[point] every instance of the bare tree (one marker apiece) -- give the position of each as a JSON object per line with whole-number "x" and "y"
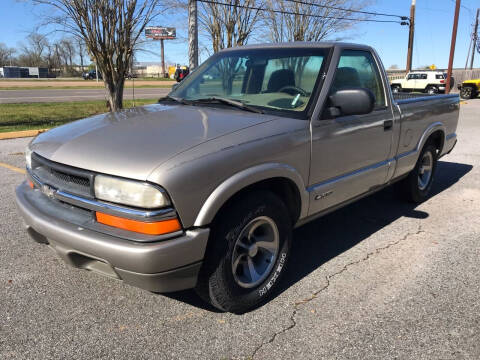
{"x": 81, "y": 52}
{"x": 110, "y": 30}
{"x": 6, "y": 54}
{"x": 67, "y": 52}
{"x": 231, "y": 24}
{"x": 310, "y": 21}
{"x": 33, "y": 52}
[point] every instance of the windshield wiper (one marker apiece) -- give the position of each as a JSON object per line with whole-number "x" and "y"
{"x": 230, "y": 102}
{"x": 173, "y": 98}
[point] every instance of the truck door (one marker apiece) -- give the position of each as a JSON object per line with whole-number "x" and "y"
{"x": 350, "y": 153}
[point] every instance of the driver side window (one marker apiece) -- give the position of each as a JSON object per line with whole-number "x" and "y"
{"x": 357, "y": 69}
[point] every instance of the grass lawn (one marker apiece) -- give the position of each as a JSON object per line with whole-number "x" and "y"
{"x": 16, "y": 117}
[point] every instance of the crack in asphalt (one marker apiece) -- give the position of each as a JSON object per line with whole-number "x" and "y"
{"x": 315, "y": 294}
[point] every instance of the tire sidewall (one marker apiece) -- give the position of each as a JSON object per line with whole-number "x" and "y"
{"x": 248, "y": 297}
{"x": 466, "y": 94}
{"x": 419, "y": 195}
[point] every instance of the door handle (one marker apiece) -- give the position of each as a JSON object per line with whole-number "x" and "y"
{"x": 387, "y": 124}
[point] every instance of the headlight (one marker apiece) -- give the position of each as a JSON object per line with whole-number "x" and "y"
{"x": 28, "y": 157}
{"x": 129, "y": 192}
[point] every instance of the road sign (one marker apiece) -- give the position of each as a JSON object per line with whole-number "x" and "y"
{"x": 160, "y": 33}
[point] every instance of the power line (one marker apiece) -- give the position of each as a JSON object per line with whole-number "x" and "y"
{"x": 347, "y": 10}
{"x": 465, "y": 7}
{"x": 301, "y": 14}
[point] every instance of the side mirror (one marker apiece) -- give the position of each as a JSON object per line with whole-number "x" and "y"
{"x": 357, "y": 101}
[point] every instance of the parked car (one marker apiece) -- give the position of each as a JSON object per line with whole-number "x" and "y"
{"x": 203, "y": 189}
{"x": 431, "y": 82}
{"x": 92, "y": 75}
{"x": 181, "y": 73}
{"x": 469, "y": 89}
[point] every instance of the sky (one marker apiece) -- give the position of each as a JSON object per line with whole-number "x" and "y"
{"x": 433, "y": 31}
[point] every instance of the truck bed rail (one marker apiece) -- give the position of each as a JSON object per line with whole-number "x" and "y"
{"x": 403, "y": 98}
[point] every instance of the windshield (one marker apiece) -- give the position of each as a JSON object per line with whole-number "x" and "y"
{"x": 271, "y": 79}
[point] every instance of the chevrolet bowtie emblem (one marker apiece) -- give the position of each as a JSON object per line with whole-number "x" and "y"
{"x": 47, "y": 190}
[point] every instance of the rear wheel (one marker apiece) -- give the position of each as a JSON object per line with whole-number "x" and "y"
{"x": 246, "y": 254}
{"x": 417, "y": 186}
{"x": 431, "y": 90}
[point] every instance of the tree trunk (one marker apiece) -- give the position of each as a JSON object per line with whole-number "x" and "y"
{"x": 115, "y": 94}
{"x": 192, "y": 34}
{"x": 81, "y": 62}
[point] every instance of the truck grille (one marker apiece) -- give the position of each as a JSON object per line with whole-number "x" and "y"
{"x": 62, "y": 177}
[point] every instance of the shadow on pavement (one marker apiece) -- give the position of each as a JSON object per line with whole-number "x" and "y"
{"x": 321, "y": 240}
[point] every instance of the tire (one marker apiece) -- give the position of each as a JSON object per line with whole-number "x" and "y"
{"x": 225, "y": 280}
{"x": 417, "y": 185}
{"x": 396, "y": 89}
{"x": 431, "y": 90}
{"x": 467, "y": 92}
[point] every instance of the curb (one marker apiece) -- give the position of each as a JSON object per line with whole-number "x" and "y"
{"x": 20, "y": 134}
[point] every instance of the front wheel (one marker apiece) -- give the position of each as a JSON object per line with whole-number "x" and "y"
{"x": 247, "y": 253}
{"x": 396, "y": 89}
{"x": 467, "y": 92}
{"x": 417, "y": 186}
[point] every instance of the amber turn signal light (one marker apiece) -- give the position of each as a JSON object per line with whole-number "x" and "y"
{"x": 149, "y": 228}
{"x": 30, "y": 184}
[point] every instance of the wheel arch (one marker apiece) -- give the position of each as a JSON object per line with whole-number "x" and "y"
{"x": 281, "y": 179}
{"x": 472, "y": 85}
{"x": 436, "y": 133}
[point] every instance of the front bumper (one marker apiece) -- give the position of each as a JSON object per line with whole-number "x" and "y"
{"x": 162, "y": 266}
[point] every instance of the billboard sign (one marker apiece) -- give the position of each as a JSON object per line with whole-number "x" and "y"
{"x": 160, "y": 33}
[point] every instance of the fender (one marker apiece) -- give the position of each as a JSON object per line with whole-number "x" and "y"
{"x": 429, "y": 131}
{"x": 245, "y": 178}
{"x": 405, "y": 162}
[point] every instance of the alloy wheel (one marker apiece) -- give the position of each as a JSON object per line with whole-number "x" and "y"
{"x": 255, "y": 252}
{"x": 425, "y": 171}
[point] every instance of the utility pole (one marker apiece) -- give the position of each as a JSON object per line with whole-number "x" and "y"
{"x": 410, "y": 36}
{"x": 468, "y": 53}
{"x": 162, "y": 48}
{"x": 474, "y": 39}
{"x": 452, "y": 45}
{"x": 192, "y": 34}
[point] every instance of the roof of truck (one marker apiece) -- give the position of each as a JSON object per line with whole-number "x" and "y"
{"x": 301, "y": 45}
{"x": 427, "y": 71}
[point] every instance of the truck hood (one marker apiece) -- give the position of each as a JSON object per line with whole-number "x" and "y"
{"x": 133, "y": 142}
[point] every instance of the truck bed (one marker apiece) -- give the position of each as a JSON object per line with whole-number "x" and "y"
{"x": 407, "y": 96}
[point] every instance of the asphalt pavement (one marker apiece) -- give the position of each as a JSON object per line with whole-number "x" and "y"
{"x": 379, "y": 279}
{"x": 67, "y": 95}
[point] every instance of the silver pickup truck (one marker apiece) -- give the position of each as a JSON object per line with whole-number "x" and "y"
{"x": 203, "y": 189}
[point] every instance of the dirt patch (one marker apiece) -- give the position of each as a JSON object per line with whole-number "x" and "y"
{"x": 74, "y": 83}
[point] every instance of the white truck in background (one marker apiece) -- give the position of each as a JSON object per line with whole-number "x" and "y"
{"x": 431, "y": 82}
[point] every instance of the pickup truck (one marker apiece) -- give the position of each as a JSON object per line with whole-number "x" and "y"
{"x": 431, "y": 82}
{"x": 202, "y": 190}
